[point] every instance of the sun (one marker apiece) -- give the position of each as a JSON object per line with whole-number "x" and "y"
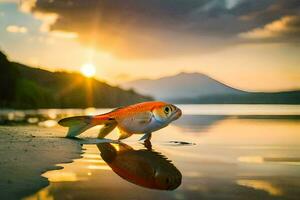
{"x": 88, "y": 70}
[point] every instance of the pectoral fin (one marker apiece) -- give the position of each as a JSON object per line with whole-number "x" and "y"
{"x": 146, "y": 136}
{"x": 106, "y": 129}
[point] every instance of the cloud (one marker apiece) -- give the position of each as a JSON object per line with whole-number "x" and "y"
{"x": 16, "y": 29}
{"x": 285, "y": 29}
{"x": 143, "y": 28}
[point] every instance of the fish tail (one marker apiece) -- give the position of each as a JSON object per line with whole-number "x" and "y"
{"x": 79, "y": 124}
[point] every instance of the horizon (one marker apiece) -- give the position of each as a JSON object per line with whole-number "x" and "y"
{"x": 260, "y": 53}
{"x": 155, "y": 79}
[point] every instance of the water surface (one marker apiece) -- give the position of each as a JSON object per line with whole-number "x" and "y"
{"x": 231, "y": 154}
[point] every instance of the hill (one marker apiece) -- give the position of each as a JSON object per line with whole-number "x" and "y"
{"x": 199, "y": 88}
{"x": 22, "y": 87}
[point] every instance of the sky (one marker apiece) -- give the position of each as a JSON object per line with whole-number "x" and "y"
{"x": 250, "y": 45}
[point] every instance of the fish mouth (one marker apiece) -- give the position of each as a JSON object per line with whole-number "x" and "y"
{"x": 168, "y": 181}
{"x": 177, "y": 114}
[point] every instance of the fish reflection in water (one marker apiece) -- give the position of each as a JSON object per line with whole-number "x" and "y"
{"x": 143, "y": 167}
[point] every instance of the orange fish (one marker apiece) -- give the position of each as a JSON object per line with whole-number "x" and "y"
{"x": 143, "y": 118}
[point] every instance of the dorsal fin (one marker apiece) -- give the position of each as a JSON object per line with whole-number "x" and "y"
{"x": 159, "y": 156}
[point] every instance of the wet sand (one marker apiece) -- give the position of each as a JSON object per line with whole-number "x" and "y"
{"x": 28, "y": 151}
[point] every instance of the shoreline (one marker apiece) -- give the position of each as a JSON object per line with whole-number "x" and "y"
{"x": 27, "y": 152}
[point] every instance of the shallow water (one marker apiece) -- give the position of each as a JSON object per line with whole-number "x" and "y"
{"x": 216, "y": 153}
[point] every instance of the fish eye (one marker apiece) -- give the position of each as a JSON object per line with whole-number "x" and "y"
{"x": 167, "y": 110}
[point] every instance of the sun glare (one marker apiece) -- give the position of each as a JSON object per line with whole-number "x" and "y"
{"x": 88, "y": 70}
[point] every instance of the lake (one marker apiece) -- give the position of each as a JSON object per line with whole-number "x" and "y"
{"x": 211, "y": 152}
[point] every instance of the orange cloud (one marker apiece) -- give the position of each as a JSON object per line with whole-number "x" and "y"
{"x": 285, "y": 28}
{"x": 142, "y": 29}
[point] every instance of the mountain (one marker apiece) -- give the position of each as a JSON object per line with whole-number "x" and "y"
{"x": 199, "y": 88}
{"x": 24, "y": 87}
{"x": 182, "y": 85}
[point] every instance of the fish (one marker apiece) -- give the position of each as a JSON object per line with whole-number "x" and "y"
{"x": 143, "y": 167}
{"x": 142, "y": 118}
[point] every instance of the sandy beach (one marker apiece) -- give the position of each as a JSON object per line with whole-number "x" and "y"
{"x": 28, "y": 151}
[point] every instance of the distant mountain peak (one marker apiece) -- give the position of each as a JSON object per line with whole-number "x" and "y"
{"x": 181, "y": 85}
{"x": 195, "y": 87}
{"x": 189, "y": 73}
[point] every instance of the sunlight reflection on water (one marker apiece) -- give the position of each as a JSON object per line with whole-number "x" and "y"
{"x": 233, "y": 157}
{"x": 240, "y": 109}
{"x": 41, "y": 115}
